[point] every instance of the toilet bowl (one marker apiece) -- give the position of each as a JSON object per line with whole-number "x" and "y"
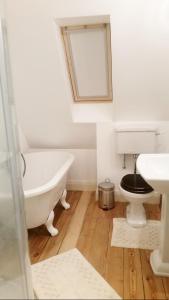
{"x": 136, "y": 191}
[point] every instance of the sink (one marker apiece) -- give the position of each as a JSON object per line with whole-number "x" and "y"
{"x": 154, "y": 168}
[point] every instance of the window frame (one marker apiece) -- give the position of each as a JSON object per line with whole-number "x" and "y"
{"x": 65, "y": 31}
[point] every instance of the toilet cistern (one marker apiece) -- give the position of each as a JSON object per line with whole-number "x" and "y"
{"x": 155, "y": 170}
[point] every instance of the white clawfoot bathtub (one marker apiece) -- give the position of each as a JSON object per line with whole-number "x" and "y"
{"x": 44, "y": 185}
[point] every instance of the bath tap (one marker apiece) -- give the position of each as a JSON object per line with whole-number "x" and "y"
{"x": 24, "y": 163}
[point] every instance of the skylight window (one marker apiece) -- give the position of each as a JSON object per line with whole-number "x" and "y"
{"x": 88, "y": 57}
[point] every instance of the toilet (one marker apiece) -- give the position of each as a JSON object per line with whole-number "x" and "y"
{"x": 133, "y": 187}
{"x": 136, "y": 191}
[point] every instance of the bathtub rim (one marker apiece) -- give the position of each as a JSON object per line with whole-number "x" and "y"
{"x": 52, "y": 183}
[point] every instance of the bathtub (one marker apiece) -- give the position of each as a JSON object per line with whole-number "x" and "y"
{"x": 44, "y": 184}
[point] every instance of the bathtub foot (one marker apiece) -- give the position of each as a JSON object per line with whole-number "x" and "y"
{"x": 49, "y": 224}
{"x": 63, "y": 200}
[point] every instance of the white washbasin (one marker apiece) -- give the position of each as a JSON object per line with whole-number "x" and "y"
{"x": 154, "y": 168}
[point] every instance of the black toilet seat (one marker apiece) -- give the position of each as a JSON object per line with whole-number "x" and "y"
{"x": 134, "y": 183}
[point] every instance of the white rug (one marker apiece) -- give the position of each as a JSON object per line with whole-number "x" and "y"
{"x": 69, "y": 276}
{"x": 125, "y": 236}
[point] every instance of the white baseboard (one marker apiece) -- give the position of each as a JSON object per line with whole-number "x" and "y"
{"x": 81, "y": 185}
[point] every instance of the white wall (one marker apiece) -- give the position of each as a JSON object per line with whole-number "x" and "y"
{"x": 3, "y": 145}
{"x": 1, "y": 8}
{"x": 140, "y": 66}
{"x": 140, "y": 48}
{"x": 140, "y": 59}
{"x": 82, "y": 175}
{"x": 40, "y": 94}
{"x": 24, "y": 146}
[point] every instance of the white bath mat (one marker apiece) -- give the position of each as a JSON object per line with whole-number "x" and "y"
{"x": 125, "y": 236}
{"x": 69, "y": 276}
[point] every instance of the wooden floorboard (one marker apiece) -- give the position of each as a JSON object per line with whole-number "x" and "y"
{"x": 153, "y": 285}
{"x": 62, "y": 224}
{"x": 115, "y": 256}
{"x": 42, "y": 246}
{"x": 166, "y": 287}
{"x": 133, "y": 284}
{"x": 94, "y": 237}
{"x": 99, "y": 244}
{"x": 88, "y": 228}
{"x": 87, "y": 232}
{"x": 76, "y": 223}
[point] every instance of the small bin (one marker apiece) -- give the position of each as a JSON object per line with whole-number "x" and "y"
{"x": 106, "y": 194}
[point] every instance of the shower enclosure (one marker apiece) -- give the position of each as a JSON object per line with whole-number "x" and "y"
{"x": 15, "y": 279}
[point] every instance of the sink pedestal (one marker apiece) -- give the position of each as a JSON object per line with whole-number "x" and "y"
{"x": 159, "y": 258}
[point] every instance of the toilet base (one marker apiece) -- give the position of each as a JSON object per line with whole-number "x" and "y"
{"x": 136, "y": 216}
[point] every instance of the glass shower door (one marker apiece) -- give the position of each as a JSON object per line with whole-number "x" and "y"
{"x": 15, "y": 280}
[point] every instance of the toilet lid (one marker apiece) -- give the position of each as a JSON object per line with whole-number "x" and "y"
{"x": 134, "y": 183}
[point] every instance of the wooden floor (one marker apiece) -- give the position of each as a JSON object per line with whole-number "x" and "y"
{"x": 89, "y": 229}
